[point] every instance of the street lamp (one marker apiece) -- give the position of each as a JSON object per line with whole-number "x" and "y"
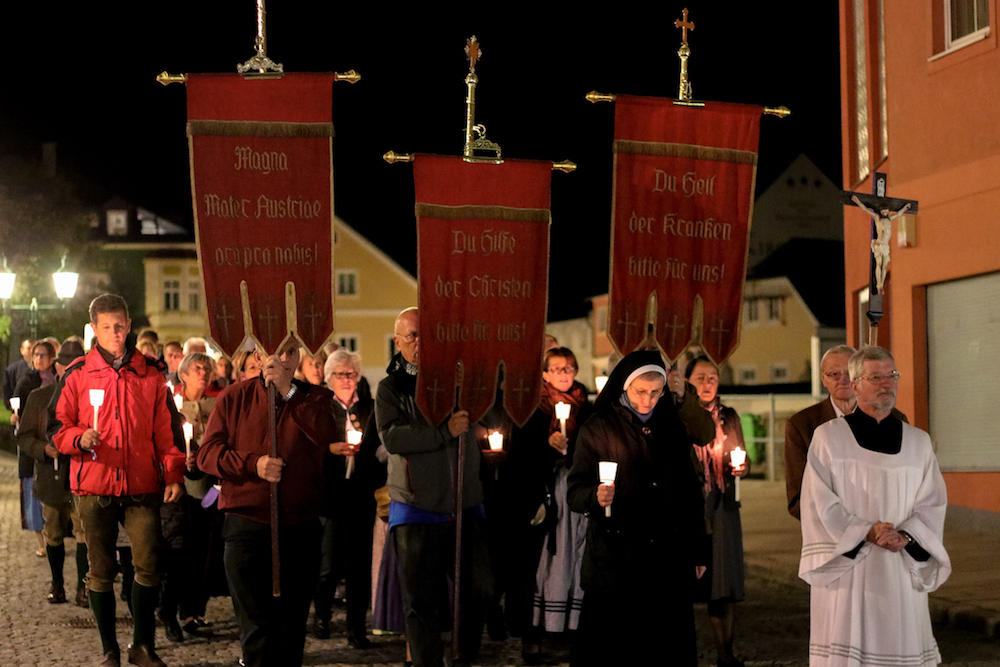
{"x": 65, "y": 283}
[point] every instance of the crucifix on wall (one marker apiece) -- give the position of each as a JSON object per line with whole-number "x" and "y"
{"x": 883, "y": 210}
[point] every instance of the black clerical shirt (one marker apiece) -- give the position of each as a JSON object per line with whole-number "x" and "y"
{"x": 885, "y": 437}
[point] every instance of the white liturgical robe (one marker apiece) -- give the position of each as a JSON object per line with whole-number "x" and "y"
{"x": 871, "y": 609}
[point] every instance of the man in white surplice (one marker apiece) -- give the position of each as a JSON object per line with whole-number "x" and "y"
{"x": 873, "y": 505}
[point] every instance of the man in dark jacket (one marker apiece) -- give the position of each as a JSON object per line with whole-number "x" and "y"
{"x": 121, "y": 470}
{"x": 236, "y": 448}
{"x": 14, "y": 372}
{"x": 422, "y": 507}
{"x": 642, "y": 556}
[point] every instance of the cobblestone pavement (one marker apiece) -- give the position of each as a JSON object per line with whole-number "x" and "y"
{"x": 772, "y": 623}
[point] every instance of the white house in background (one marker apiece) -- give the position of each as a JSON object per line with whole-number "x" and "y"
{"x": 370, "y": 288}
{"x": 801, "y": 203}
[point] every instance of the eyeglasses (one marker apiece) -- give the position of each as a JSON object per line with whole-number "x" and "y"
{"x": 349, "y": 375}
{"x": 837, "y": 376}
{"x": 879, "y": 378}
{"x": 653, "y": 395}
{"x": 410, "y": 337}
{"x": 562, "y": 370}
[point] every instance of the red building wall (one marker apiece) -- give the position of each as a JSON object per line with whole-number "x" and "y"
{"x": 943, "y": 150}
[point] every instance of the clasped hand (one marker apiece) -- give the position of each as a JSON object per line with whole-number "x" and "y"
{"x": 884, "y": 535}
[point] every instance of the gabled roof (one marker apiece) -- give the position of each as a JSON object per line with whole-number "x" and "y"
{"x": 815, "y": 268}
{"x": 357, "y": 237}
{"x": 143, "y": 227}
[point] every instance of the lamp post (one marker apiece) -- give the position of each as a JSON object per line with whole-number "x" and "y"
{"x": 65, "y": 283}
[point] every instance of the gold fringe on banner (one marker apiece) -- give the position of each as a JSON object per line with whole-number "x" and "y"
{"x": 239, "y": 128}
{"x": 684, "y": 150}
{"x": 507, "y": 213}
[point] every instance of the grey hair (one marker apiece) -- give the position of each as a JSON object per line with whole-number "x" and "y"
{"x": 837, "y": 349}
{"x": 856, "y": 365}
{"x": 193, "y": 358}
{"x": 192, "y": 342}
{"x": 341, "y": 357}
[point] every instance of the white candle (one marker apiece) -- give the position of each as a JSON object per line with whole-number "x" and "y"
{"x": 607, "y": 471}
{"x": 600, "y": 381}
{"x": 562, "y": 414}
{"x": 737, "y": 458}
{"x": 179, "y": 401}
{"x": 496, "y": 441}
{"x": 15, "y": 404}
{"x": 353, "y": 438}
{"x": 188, "y": 428}
{"x": 96, "y": 400}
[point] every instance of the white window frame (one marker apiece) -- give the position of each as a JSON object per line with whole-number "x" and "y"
{"x": 117, "y": 222}
{"x": 952, "y": 45}
{"x": 779, "y": 309}
{"x": 194, "y": 296}
{"x": 747, "y": 369}
{"x": 353, "y": 274}
{"x": 783, "y": 366}
{"x": 171, "y": 292}
{"x": 341, "y": 338}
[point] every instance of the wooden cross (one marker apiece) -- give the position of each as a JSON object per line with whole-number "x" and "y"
{"x": 225, "y": 317}
{"x": 434, "y": 390}
{"x": 719, "y": 329}
{"x": 684, "y": 25}
{"x": 882, "y": 210}
{"x": 673, "y": 330}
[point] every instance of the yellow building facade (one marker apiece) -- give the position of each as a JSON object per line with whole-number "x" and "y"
{"x": 370, "y": 290}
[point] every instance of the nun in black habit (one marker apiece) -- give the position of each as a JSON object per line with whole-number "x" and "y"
{"x": 641, "y": 562}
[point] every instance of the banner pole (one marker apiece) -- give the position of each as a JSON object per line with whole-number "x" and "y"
{"x": 275, "y": 551}
{"x": 459, "y": 481}
{"x": 459, "y": 484}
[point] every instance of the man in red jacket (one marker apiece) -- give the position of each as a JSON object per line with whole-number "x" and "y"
{"x": 121, "y": 470}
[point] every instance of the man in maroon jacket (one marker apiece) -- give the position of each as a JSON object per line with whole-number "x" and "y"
{"x": 121, "y": 470}
{"x": 236, "y": 448}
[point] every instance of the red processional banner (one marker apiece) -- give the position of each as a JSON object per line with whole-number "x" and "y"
{"x": 482, "y": 269}
{"x": 683, "y": 201}
{"x": 262, "y": 189}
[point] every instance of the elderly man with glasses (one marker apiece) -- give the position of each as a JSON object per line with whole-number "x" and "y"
{"x": 800, "y": 427}
{"x": 873, "y": 506}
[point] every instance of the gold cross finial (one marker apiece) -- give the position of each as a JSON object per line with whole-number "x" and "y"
{"x": 473, "y": 52}
{"x": 684, "y": 25}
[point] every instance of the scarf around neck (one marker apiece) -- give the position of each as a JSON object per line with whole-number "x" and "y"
{"x": 576, "y": 395}
{"x": 710, "y": 455}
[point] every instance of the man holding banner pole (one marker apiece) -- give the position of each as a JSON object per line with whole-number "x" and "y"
{"x": 237, "y": 449}
{"x": 422, "y": 513}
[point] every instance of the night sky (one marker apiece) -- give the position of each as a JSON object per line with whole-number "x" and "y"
{"x": 83, "y": 75}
